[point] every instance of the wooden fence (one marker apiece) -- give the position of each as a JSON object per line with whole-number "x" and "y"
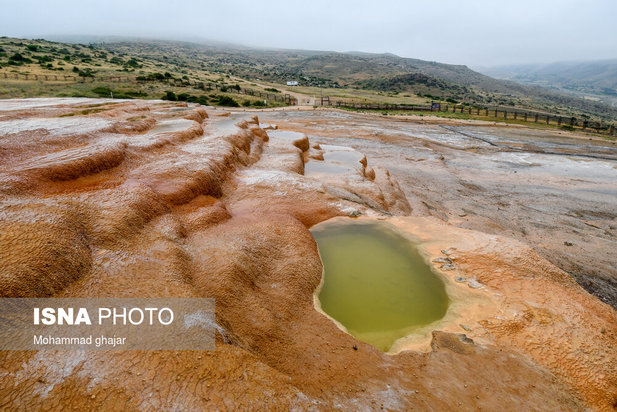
{"x": 494, "y": 112}
{"x": 53, "y": 77}
{"x": 204, "y": 85}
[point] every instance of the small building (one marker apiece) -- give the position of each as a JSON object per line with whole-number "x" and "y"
{"x": 292, "y": 83}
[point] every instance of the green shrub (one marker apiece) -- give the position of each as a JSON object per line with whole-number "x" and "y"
{"x": 43, "y": 59}
{"x": 102, "y": 91}
{"x": 19, "y": 59}
{"x": 84, "y": 72}
{"x": 151, "y": 77}
{"x": 171, "y": 96}
{"x": 32, "y": 47}
{"x": 246, "y": 103}
{"x": 133, "y": 93}
{"x": 227, "y": 101}
{"x": 133, "y": 63}
{"x": 272, "y": 89}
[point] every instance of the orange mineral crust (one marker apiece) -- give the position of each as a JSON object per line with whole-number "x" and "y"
{"x": 109, "y": 198}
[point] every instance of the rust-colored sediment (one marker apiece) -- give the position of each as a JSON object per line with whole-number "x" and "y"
{"x": 150, "y": 199}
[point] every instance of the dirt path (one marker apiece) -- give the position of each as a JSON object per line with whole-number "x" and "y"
{"x": 303, "y": 99}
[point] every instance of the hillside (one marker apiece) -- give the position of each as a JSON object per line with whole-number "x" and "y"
{"x": 384, "y": 78}
{"x": 590, "y": 79}
{"x": 41, "y": 68}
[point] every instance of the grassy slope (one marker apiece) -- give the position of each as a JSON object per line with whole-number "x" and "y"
{"x": 362, "y": 77}
{"x": 52, "y": 58}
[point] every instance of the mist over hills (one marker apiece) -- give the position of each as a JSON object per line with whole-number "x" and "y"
{"x": 383, "y": 72}
{"x": 592, "y": 79}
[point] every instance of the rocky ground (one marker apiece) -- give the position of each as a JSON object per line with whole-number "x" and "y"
{"x": 553, "y": 190}
{"x": 153, "y": 199}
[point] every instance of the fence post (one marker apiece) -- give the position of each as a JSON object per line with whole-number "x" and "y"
{"x": 611, "y": 131}
{"x": 548, "y": 119}
{"x": 559, "y": 121}
{"x": 505, "y": 114}
{"x": 495, "y": 112}
{"x": 525, "y": 116}
{"x": 515, "y": 115}
{"x": 536, "y": 120}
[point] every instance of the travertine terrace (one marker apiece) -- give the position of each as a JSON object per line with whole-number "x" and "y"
{"x": 102, "y": 198}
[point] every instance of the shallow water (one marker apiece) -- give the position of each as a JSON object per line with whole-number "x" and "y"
{"x": 375, "y": 282}
{"x": 285, "y": 134}
{"x": 350, "y": 157}
{"x": 319, "y": 168}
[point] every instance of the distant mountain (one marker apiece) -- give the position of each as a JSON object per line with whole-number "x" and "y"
{"x": 385, "y": 73}
{"x": 592, "y": 79}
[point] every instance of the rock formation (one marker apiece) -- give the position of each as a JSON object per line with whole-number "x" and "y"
{"x": 152, "y": 199}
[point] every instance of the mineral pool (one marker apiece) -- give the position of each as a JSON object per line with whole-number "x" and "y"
{"x": 375, "y": 282}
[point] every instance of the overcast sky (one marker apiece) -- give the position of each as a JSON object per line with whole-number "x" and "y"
{"x": 472, "y": 32}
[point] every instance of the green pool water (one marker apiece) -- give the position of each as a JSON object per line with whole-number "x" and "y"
{"x": 376, "y": 283}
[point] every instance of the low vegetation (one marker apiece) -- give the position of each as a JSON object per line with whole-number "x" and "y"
{"x": 202, "y": 73}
